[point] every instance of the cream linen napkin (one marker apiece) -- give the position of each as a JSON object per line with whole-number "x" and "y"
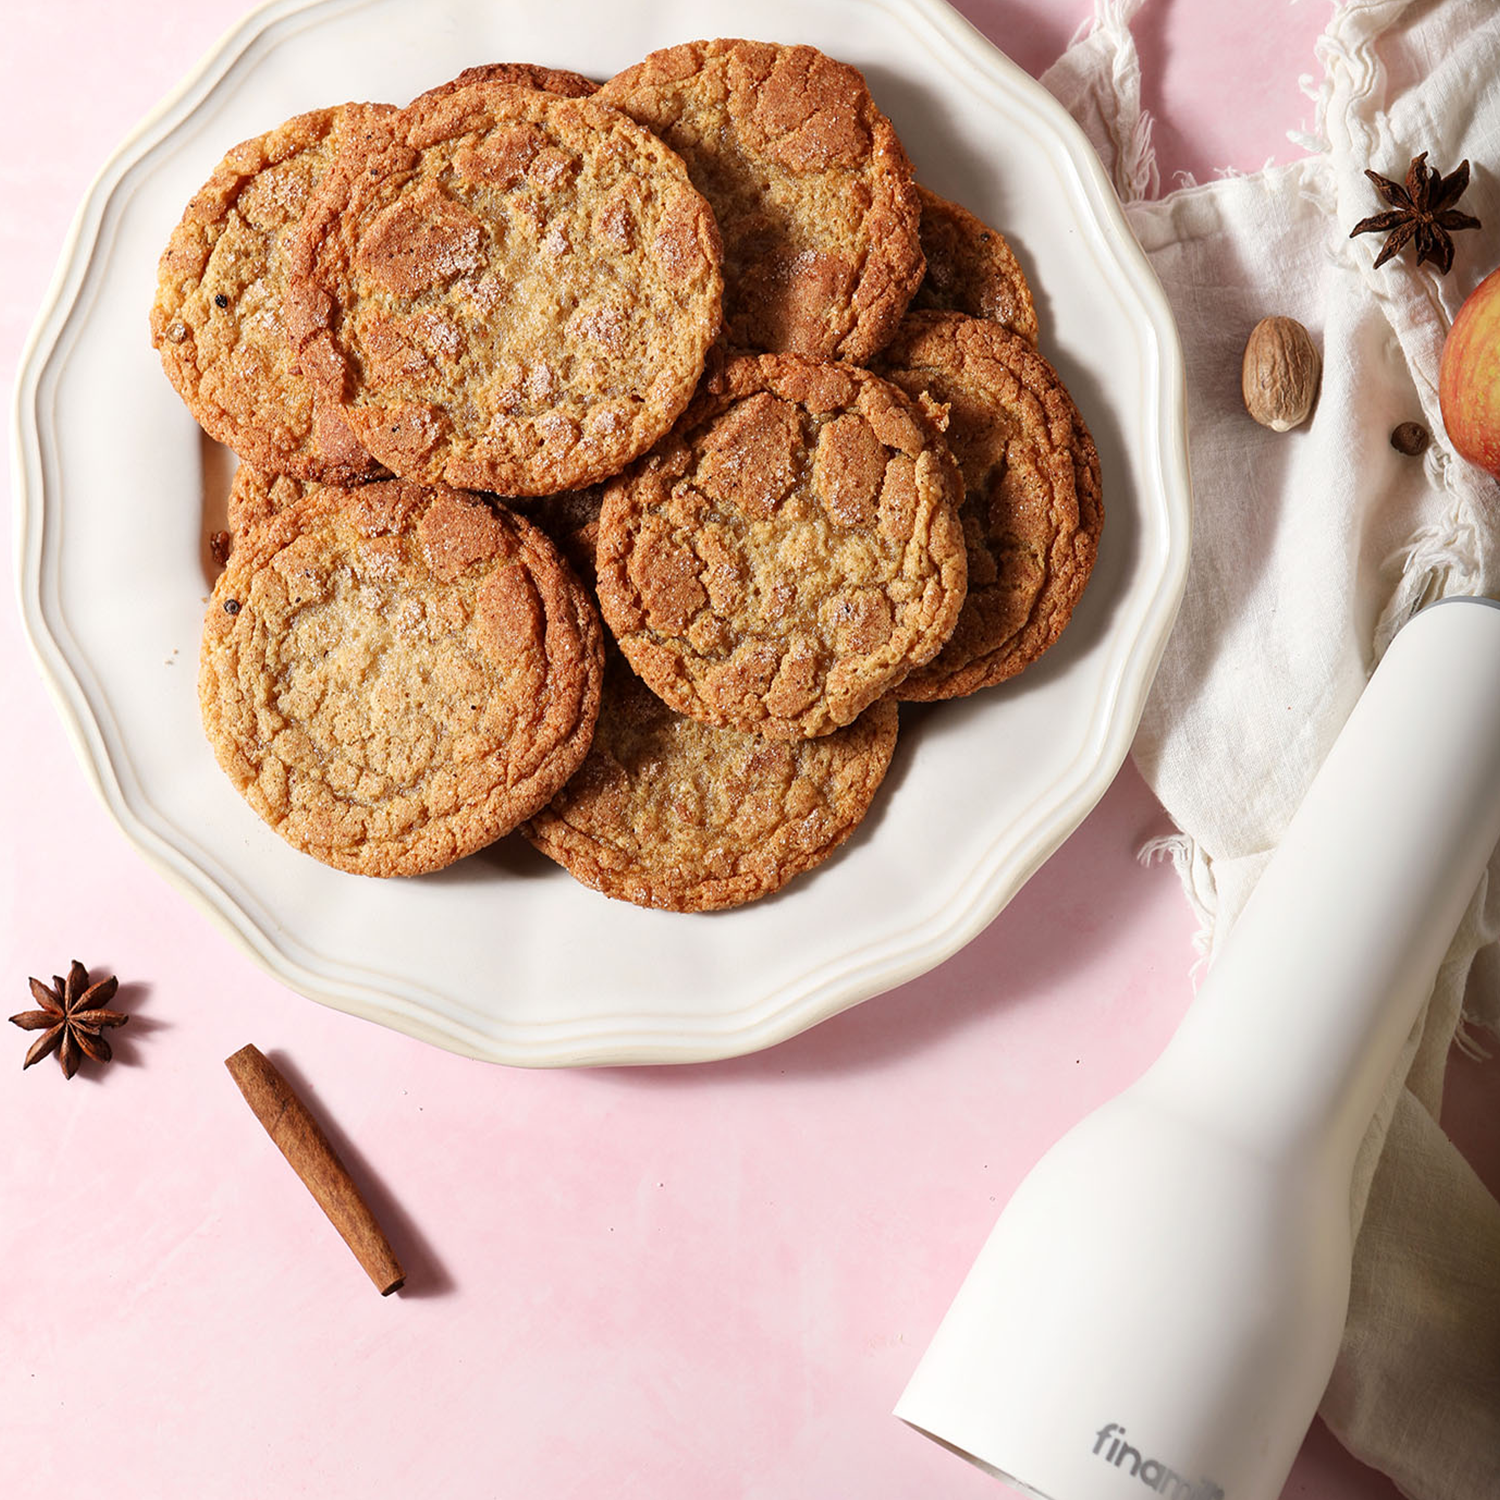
{"x": 1310, "y": 549}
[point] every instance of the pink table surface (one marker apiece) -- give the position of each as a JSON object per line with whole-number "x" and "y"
{"x": 664, "y": 1283}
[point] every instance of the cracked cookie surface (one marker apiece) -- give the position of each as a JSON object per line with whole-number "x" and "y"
{"x": 671, "y": 813}
{"x": 971, "y": 269}
{"x": 221, "y": 283}
{"x": 810, "y": 184}
{"x": 789, "y": 553}
{"x": 394, "y": 677}
{"x": 509, "y": 290}
{"x": 1033, "y": 506}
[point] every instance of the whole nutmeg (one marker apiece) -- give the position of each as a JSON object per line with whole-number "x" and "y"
{"x": 1280, "y": 375}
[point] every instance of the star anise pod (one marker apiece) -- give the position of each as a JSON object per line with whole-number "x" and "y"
{"x": 72, "y": 1019}
{"x": 1422, "y": 210}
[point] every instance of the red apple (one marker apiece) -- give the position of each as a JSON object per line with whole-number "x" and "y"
{"x": 1469, "y": 380}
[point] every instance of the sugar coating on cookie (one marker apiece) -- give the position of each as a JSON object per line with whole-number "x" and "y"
{"x": 394, "y": 677}
{"x": 221, "y": 284}
{"x": 789, "y": 553}
{"x": 811, "y": 186}
{"x": 1033, "y": 507}
{"x": 971, "y": 269}
{"x": 671, "y": 813}
{"x": 510, "y": 290}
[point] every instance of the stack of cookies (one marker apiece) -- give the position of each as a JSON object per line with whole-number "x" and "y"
{"x": 614, "y": 460}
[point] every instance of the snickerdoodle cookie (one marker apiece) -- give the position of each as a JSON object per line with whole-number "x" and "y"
{"x": 971, "y": 269}
{"x": 393, "y": 676}
{"x": 812, "y": 189}
{"x": 255, "y": 496}
{"x": 523, "y": 75}
{"x": 789, "y": 552}
{"x": 1032, "y": 509}
{"x": 671, "y": 813}
{"x": 507, "y": 290}
{"x": 217, "y": 319}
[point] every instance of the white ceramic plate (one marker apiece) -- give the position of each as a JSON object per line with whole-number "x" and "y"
{"x": 504, "y": 956}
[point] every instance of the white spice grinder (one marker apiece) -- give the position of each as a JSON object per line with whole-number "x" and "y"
{"x": 1160, "y": 1304}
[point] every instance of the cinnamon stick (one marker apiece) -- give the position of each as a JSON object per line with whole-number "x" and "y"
{"x": 314, "y": 1160}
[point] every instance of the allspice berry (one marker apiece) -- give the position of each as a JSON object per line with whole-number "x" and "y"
{"x": 1410, "y": 438}
{"x": 1281, "y": 373}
